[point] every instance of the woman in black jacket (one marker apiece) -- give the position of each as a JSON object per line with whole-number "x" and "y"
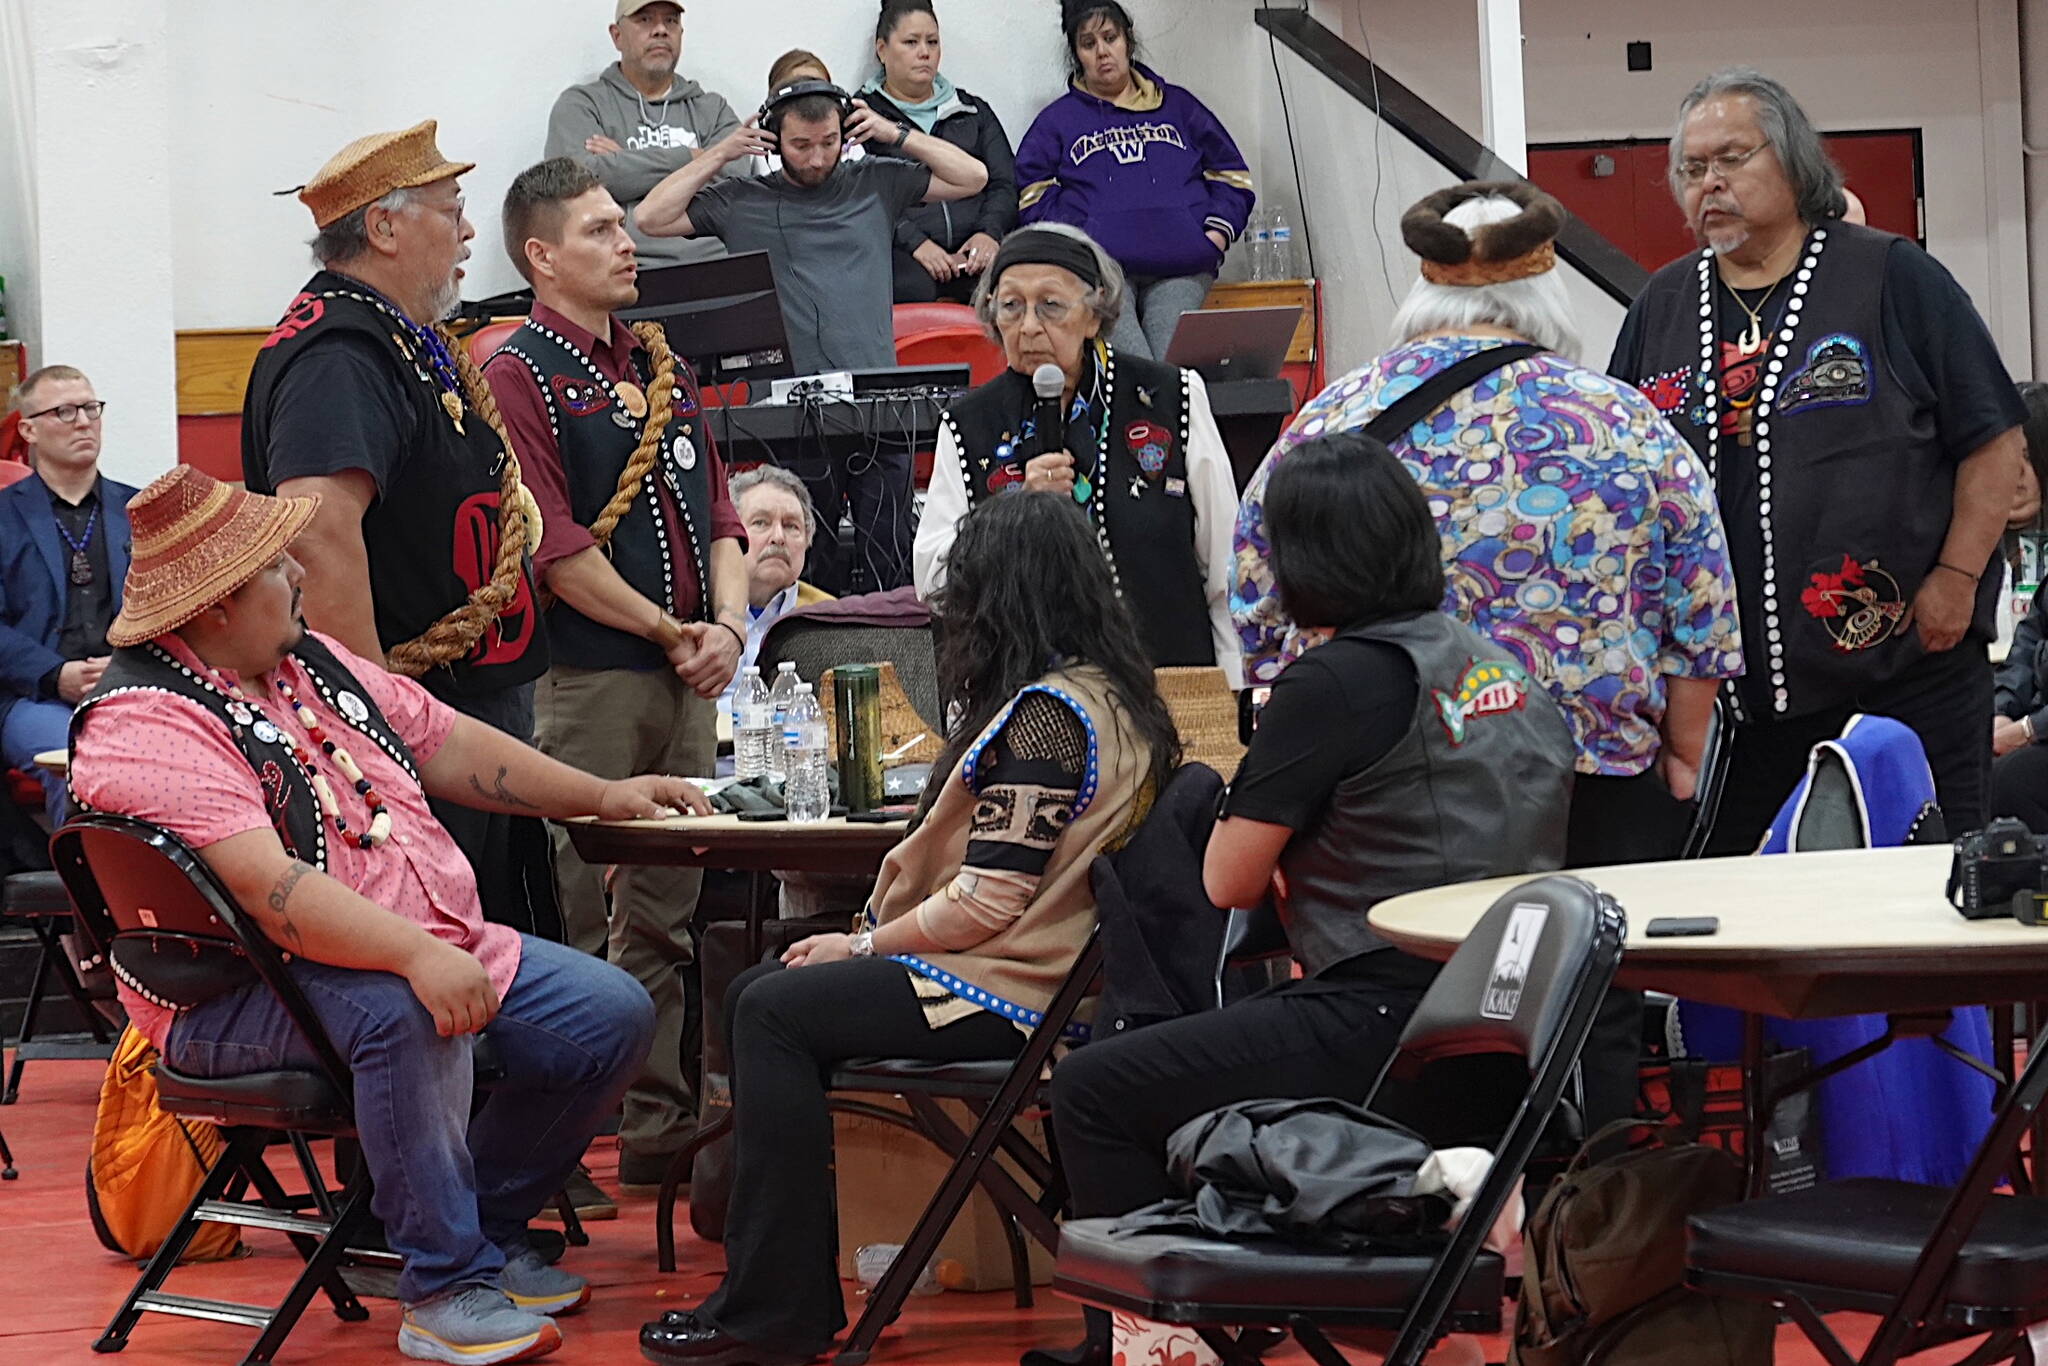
{"x": 940, "y": 248}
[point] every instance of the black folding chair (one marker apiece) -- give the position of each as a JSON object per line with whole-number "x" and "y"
{"x": 171, "y": 930}
{"x": 1524, "y": 986}
{"x": 37, "y": 900}
{"x": 1000, "y": 1092}
{"x": 1939, "y": 1264}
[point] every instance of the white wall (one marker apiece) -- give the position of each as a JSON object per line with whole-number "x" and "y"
{"x": 17, "y": 181}
{"x": 262, "y": 94}
{"x": 103, "y": 263}
{"x": 1948, "y": 68}
{"x": 1360, "y": 178}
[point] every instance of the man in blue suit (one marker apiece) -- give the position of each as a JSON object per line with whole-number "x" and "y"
{"x": 63, "y": 555}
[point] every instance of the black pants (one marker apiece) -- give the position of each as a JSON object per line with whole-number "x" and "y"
{"x": 511, "y": 856}
{"x": 873, "y": 488}
{"x": 1116, "y": 1101}
{"x": 915, "y": 285}
{"x": 788, "y": 1028}
{"x": 1945, "y": 698}
{"x": 1620, "y": 820}
{"x": 2019, "y": 786}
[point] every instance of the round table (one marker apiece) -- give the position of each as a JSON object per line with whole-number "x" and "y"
{"x": 1847, "y": 932}
{"x": 1802, "y": 935}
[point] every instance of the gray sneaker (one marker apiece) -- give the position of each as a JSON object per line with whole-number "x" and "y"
{"x": 537, "y": 1288}
{"x": 475, "y": 1325}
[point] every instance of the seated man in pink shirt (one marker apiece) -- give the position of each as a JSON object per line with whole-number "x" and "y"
{"x": 301, "y": 775}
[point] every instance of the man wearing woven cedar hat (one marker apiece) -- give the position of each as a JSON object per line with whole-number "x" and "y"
{"x": 1863, "y": 438}
{"x": 643, "y": 554}
{"x": 418, "y": 556}
{"x": 301, "y": 773}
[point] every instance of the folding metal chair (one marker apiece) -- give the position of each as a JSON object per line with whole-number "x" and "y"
{"x": 1939, "y": 1264}
{"x": 156, "y": 910}
{"x": 37, "y": 900}
{"x": 1525, "y": 986}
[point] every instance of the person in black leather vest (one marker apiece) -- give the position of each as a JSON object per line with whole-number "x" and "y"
{"x": 360, "y": 397}
{"x": 1404, "y": 751}
{"x": 1139, "y": 451}
{"x": 1862, "y": 436}
{"x": 643, "y": 552}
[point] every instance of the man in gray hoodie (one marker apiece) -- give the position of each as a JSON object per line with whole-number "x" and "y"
{"x": 638, "y": 121}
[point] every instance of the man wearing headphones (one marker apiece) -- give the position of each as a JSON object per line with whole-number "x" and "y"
{"x": 828, "y": 227}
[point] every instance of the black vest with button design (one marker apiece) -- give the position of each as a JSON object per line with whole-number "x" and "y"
{"x": 1136, "y": 463}
{"x": 596, "y": 437}
{"x": 288, "y": 793}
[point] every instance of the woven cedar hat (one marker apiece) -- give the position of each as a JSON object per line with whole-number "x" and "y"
{"x": 1513, "y": 249}
{"x": 195, "y": 540}
{"x": 371, "y": 167}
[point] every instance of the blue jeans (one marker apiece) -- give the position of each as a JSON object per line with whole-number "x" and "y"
{"x": 454, "y": 1191}
{"x": 31, "y": 728}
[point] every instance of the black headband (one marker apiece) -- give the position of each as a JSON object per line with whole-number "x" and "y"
{"x": 1037, "y": 247}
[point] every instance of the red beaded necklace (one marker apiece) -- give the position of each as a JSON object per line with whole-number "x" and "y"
{"x": 380, "y": 815}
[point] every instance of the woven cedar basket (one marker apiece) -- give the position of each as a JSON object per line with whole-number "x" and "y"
{"x": 900, "y": 722}
{"x": 1205, "y": 713}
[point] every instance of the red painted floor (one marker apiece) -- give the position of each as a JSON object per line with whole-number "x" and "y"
{"x": 58, "y": 1287}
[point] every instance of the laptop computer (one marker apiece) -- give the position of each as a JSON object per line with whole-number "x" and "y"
{"x": 720, "y": 315}
{"x": 1234, "y": 343}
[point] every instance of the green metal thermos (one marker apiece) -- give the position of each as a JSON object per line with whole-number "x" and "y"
{"x": 857, "y": 702}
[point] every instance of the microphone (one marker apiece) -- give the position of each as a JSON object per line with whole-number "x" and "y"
{"x": 1048, "y": 381}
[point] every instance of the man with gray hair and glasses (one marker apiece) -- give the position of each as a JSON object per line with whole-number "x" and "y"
{"x": 776, "y": 510}
{"x": 1863, "y": 438}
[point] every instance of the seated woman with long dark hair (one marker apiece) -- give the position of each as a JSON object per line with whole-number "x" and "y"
{"x": 1405, "y": 751}
{"x": 977, "y": 916}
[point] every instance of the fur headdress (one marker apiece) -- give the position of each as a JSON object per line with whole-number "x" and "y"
{"x": 1513, "y": 249}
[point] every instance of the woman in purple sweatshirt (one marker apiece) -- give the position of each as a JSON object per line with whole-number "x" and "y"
{"x": 1142, "y": 167}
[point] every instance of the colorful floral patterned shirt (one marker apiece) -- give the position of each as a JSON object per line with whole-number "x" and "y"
{"x": 1579, "y": 531}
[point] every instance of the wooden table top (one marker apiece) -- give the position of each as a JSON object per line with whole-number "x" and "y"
{"x": 55, "y": 760}
{"x": 835, "y": 845}
{"x": 1801, "y": 935}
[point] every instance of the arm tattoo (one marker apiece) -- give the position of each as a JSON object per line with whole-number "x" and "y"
{"x": 499, "y": 793}
{"x": 280, "y": 895}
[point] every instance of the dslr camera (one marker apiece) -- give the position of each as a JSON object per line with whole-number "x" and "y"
{"x": 2000, "y": 870}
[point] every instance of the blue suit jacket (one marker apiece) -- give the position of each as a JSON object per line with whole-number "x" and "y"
{"x": 34, "y": 585}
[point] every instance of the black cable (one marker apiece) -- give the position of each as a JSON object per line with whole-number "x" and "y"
{"x": 1379, "y": 165}
{"x": 1308, "y": 240}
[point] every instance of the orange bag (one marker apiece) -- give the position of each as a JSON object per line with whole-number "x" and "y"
{"x": 147, "y": 1165}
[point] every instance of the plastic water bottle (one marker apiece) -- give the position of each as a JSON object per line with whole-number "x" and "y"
{"x": 872, "y": 1262}
{"x": 1284, "y": 256}
{"x": 1260, "y": 231}
{"x": 755, "y": 736}
{"x": 780, "y": 694}
{"x": 807, "y": 786}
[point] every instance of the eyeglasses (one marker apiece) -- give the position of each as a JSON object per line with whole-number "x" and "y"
{"x": 71, "y": 412}
{"x": 1051, "y": 312}
{"x": 1693, "y": 171}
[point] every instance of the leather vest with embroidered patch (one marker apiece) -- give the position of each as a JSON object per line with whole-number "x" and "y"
{"x": 1477, "y": 788}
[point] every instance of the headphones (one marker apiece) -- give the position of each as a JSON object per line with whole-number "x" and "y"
{"x": 771, "y": 110}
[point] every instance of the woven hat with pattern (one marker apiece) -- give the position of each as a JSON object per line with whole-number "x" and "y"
{"x": 194, "y": 541}
{"x": 371, "y": 167}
